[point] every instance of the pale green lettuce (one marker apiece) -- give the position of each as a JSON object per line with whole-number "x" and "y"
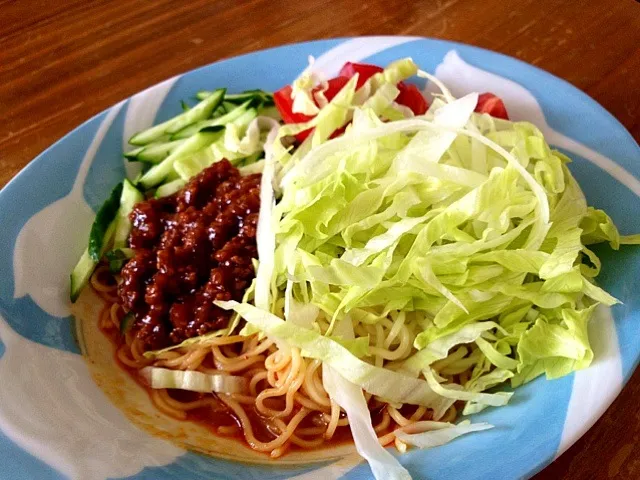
{"x": 439, "y": 433}
{"x": 471, "y": 227}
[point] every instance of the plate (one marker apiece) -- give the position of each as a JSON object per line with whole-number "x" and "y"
{"x": 56, "y": 423}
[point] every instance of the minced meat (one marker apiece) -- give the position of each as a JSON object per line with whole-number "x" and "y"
{"x": 191, "y": 249}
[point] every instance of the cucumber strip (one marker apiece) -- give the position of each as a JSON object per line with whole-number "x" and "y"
{"x": 132, "y": 155}
{"x": 251, "y": 168}
{"x": 214, "y": 122}
{"x": 173, "y": 175}
{"x": 250, "y": 160}
{"x": 191, "y": 165}
{"x": 227, "y": 106}
{"x": 244, "y": 119}
{"x": 117, "y": 258}
{"x": 270, "y": 111}
{"x": 86, "y": 265}
{"x": 129, "y": 197}
{"x": 203, "y": 94}
{"x": 104, "y": 217}
{"x": 156, "y": 152}
{"x": 240, "y": 97}
{"x": 81, "y": 274}
{"x": 136, "y": 180}
{"x": 158, "y": 173}
{"x": 170, "y": 188}
{"x": 199, "y": 112}
{"x": 222, "y": 109}
{"x": 185, "y": 106}
{"x": 126, "y": 323}
{"x": 265, "y": 97}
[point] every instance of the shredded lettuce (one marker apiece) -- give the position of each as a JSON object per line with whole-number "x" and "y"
{"x": 302, "y": 91}
{"x": 265, "y": 236}
{"x": 474, "y": 222}
{"x": 467, "y": 231}
{"x": 382, "y": 382}
{"x": 439, "y": 433}
{"x": 350, "y": 397}
{"x": 250, "y": 139}
{"x": 193, "y": 381}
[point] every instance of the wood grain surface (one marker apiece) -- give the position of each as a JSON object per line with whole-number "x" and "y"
{"x": 63, "y": 61}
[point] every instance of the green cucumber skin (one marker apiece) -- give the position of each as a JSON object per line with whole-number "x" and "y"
{"x": 155, "y": 153}
{"x": 169, "y": 188}
{"x": 207, "y": 125}
{"x": 81, "y": 274}
{"x": 154, "y": 145}
{"x": 159, "y": 172}
{"x": 117, "y": 258}
{"x": 126, "y": 323}
{"x": 199, "y": 112}
{"x": 132, "y": 155}
{"x": 86, "y": 265}
{"x": 104, "y": 217}
{"x": 129, "y": 197}
{"x": 265, "y": 97}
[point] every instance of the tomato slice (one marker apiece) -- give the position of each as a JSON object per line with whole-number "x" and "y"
{"x": 493, "y": 105}
{"x": 333, "y": 87}
{"x": 284, "y": 103}
{"x": 411, "y": 97}
{"x": 365, "y": 71}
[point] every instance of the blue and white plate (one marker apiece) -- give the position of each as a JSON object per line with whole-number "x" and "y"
{"x": 56, "y": 423}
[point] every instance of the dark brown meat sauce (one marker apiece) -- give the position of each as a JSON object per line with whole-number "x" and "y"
{"x": 191, "y": 249}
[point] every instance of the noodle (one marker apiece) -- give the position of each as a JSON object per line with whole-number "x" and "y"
{"x": 333, "y": 422}
{"x": 286, "y": 403}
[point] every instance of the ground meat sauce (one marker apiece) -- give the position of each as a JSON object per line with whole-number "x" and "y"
{"x": 191, "y": 249}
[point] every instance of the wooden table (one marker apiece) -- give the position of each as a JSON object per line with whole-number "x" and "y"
{"x": 63, "y": 61}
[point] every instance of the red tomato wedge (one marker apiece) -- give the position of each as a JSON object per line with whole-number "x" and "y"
{"x": 493, "y": 105}
{"x": 411, "y": 97}
{"x": 284, "y": 103}
{"x": 365, "y": 71}
{"x": 333, "y": 87}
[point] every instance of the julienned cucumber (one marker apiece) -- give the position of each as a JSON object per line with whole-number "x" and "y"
{"x": 251, "y": 168}
{"x": 155, "y": 152}
{"x": 170, "y": 188}
{"x": 86, "y": 265}
{"x": 265, "y": 97}
{"x": 102, "y": 231}
{"x": 213, "y": 122}
{"x": 199, "y": 112}
{"x": 117, "y": 258}
{"x": 129, "y": 197}
{"x": 80, "y": 274}
{"x": 188, "y": 166}
{"x": 126, "y": 323}
{"x": 187, "y": 138}
{"x": 111, "y": 223}
{"x": 103, "y": 219}
{"x": 158, "y": 173}
{"x": 133, "y": 154}
{"x": 191, "y": 165}
{"x": 246, "y": 117}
